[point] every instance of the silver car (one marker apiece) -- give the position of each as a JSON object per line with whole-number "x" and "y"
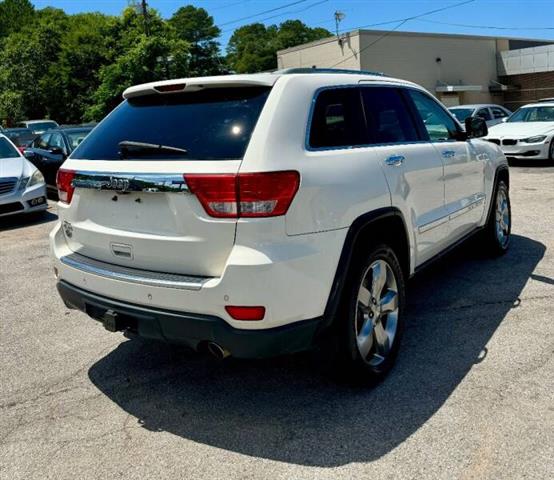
{"x": 22, "y": 187}
{"x": 492, "y": 114}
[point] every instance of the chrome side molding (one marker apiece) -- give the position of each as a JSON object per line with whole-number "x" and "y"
{"x": 131, "y": 182}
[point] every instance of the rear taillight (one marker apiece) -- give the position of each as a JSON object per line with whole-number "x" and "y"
{"x": 64, "y": 182}
{"x": 267, "y": 194}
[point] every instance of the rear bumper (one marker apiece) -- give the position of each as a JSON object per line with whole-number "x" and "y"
{"x": 290, "y": 276}
{"x": 192, "y": 329}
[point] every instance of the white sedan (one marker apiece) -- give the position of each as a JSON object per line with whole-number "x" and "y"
{"x": 528, "y": 133}
{"x": 22, "y": 187}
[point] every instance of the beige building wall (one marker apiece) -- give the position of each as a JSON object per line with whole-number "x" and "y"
{"x": 464, "y": 60}
{"x": 323, "y": 54}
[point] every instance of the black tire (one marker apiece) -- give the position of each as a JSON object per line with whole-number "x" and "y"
{"x": 551, "y": 151}
{"x": 496, "y": 243}
{"x": 352, "y": 365}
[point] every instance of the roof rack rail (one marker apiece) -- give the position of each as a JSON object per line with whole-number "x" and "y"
{"x": 289, "y": 71}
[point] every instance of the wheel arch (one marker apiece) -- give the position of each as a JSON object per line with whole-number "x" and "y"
{"x": 392, "y": 230}
{"x": 502, "y": 173}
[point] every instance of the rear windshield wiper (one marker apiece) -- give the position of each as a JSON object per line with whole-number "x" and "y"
{"x": 130, "y": 147}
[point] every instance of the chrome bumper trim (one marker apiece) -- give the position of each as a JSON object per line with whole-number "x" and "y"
{"x": 133, "y": 275}
{"x": 131, "y": 182}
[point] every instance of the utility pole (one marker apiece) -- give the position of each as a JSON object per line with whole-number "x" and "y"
{"x": 339, "y": 17}
{"x": 144, "y": 7}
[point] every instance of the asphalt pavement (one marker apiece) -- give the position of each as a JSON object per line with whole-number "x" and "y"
{"x": 471, "y": 397}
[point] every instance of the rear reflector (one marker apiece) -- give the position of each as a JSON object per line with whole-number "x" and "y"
{"x": 64, "y": 182}
{"x": 267, "y": 194}
{"x": 246, "y": 313}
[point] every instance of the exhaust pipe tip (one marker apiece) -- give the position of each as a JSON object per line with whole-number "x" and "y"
{"x": 218, "y": 351}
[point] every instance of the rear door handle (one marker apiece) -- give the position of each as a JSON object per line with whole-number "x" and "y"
{"x": 449, "y": 153}
{"x": 395, "y": 160}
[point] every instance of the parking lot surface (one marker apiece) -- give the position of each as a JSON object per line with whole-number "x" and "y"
{"x": 471, "y": 397}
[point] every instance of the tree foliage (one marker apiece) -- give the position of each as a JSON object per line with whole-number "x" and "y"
{"x": 196, "y": 26}
{"x": 253, "y": 48}
{"x": 75, "y": 67}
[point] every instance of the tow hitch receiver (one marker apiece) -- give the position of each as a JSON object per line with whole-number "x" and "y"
{"x": 110, "y": 321}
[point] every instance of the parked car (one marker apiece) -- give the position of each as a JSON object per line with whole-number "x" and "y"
{"x": 256, "y": 215}
{"x": 22, "y": 188}
{"x": 49, "y": 150}
{"x": 492, "y": 114}
{"x": 38, "y": 126}
{"x": 528, "y": 133}
{"x": 21, "y": 137}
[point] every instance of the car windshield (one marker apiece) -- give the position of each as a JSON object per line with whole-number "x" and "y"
{"x": 461, "y": 113}
{"x": 211, "y": 124}
{"x": 77, "y": 136}
{"x": 7, "y": 150}
{"x": 533, "y": 114}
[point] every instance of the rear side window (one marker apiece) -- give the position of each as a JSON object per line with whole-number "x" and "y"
{"x": 387, "y": 116}
{"x": 7, "y": 150}
{"x": 484, "y": 114}
{"x": 211, "y": 124}
{"x": 498, "y": 112}
{"x": 337, "y": 119}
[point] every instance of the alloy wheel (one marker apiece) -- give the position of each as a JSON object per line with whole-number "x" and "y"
{"x": 502, "y": 218}
{"x": 377, "y": 313}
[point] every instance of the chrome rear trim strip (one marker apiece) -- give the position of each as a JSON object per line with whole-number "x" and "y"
{"x": 131, "y": 182}
{"x": 133, "y": 275}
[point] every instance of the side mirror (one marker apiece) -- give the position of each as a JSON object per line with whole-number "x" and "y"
{"x": 29, "y": 154}
{"x": 504, "y": 119}
{"x": 476, "y": 127}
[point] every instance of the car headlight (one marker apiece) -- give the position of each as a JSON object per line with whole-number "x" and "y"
{"x": 36, "y": 178}
{"x": 535, "y": 139}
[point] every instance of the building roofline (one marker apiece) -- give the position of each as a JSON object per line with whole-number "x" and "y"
{"x": 403, "y": 33}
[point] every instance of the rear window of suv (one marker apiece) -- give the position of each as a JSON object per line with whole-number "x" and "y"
{"x": 210, "y": 124}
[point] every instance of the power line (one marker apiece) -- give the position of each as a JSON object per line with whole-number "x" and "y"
{"x": 490, "y": 27}
{"x": 307, "y": 7}
{"x": 401, "y": 22}
{"x": 263, "y": 13}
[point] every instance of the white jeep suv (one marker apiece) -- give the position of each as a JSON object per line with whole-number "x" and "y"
{"x": 256, "y": 215}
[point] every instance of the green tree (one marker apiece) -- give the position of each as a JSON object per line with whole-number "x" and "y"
{"x": 71, "y": 81}
{"x": 158, "y": 56}
{"x": 25, "y": 58}
{"x": 13, "y": 14}
{"x": 253, "y": 48}
{"x": 196, "y": 26}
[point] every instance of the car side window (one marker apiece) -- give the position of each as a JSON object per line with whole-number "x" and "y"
{"x": 439, "y": 125}
{"x": 484, "y": 114}
{"x": 388, "y": 118}
{"x": 498, "y": 112}
{"x": 56, "y": 140}
{"x": 337, "y": 119}
{"x": 42, "y": 141}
